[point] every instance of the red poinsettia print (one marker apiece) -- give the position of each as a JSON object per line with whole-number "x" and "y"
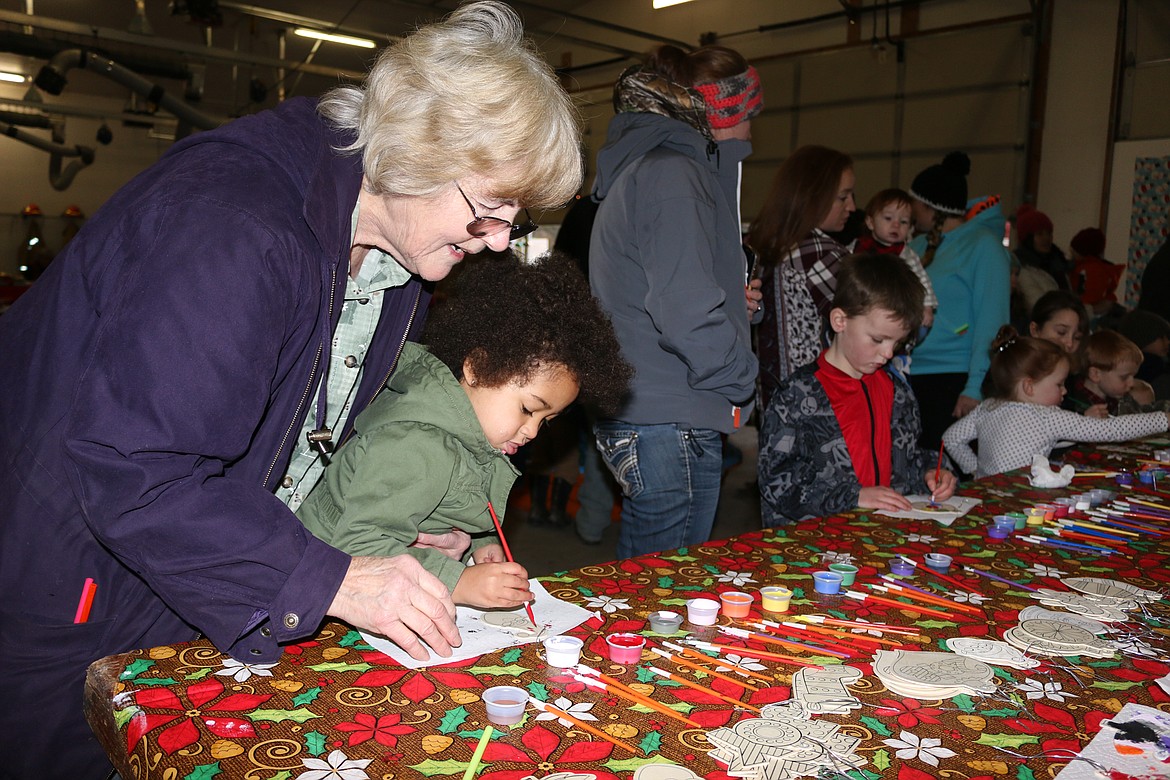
{"x": 184, "y": 733}
{"x": 540, "y": 748}
{"x": 385, "y": 730}
{"x": 909, "y": 712}
{"x": 612, "y": 587}
{"x": 418, "y": 686}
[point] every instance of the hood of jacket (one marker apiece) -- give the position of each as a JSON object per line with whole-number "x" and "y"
{"x": 425, "y": 391}
{"x": 631, "y": 136}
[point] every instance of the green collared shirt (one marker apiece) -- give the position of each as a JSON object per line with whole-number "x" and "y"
{"x": 360, "y": 312}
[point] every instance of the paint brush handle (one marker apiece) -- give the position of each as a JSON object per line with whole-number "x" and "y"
{"x": 695, "y": 686}
{"x": 997, "y": 578}
{"x": 508, "y": 555}
{"x": 582, "y": 725}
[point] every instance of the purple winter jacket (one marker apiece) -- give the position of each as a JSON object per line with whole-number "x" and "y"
{"x": 152, "y": 384}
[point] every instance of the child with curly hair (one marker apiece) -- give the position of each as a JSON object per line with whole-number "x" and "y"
{"x": 509, "y": 350}
{"x": 1021, "y": 415}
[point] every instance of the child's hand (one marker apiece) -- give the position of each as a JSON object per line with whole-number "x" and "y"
{"x": 882, "y": 497}
{"x": 944, "y": 488}
{"x": 453, "y": 544}
{"x": 492, "y": 585}
{"x": 1100, "y": 411}
{"x": 489, "y": 553}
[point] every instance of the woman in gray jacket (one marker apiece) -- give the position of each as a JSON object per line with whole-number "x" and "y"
{"x": 666, "y": 262}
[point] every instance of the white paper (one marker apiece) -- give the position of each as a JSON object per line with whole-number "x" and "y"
{"x": 962, "y": 505}
{"x": 554, "y": 616}
{"x": 1146, "y": 761}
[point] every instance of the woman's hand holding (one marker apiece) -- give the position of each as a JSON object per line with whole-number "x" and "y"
{"x": 453, "y": 544}
{"x": 399, "y": 599}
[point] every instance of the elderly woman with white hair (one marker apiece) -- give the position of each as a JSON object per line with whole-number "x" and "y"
{"x": 171, "y": 388}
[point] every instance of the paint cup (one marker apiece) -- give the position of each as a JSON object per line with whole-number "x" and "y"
{"x": 999, "y": 532}
{"x": 1084, "y": 502}
{"x": 736, "y": 604}
{"x": 901, "y": 568}
{"x": 563, "y": 652}
{"x": 1124, "y": 480}
{"x": 1065, "y": 505}
{"x": 625, "y": 648}
{"x": 939, "y": 562}
{"x": 1050, "y": 510}
{"x": 847, "y": 571}
{"x": 1020, "y": 518}
{"x": 1004, "y": 521}
{"x": 1162, "y": 456}
{"x": 505, "y": 704}
{"x": 702, "y": 612}
{"x": 827, "y": 581}
{"x": 775, "y": 598}
{"x": 1146, "y": 477}
{"x": 1035, "y": 516}
{"x": 1101, "y": 496}
{"x": 665, "y": 622}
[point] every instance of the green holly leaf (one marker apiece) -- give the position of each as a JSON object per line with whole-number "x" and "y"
{"x": 623, "y": 765}
{"x": 666, "y": 582}
{"x": 1116, "y": 686}
{"x": 199, "y": 675}
{"x": 586, "y": 592}
{"x": 1003, "y": 713}
{"x": 644, "y": 675}
{"x": 837, "y": 614}
{"x": 430, "y": 768}
{"x": 682, "y": 557}
{"x": 203, "y": 772}
{"x": 931, "y": 623}
{"x": 682, "y": 707}
{"x": 283, "y": 774}
{"x": 315, "y": 743}
{"x": 963, "y": 702}
{"x": 651, "y": 742}
{"x": 300, "y": 715}
{"x": 165, "y": 681}
{"x": 560, "y": 578}
{"x": 135, "y": 668}
{"x": 980, "y": 554}
{"x": 351, "y": 639}
{"x": 881, "y": 759}
{"x": 862, "y": 774}
{"x": 512, "y": 656}
{"x": 512, "y": 670}
{"x": 538, "y": 690}
{"x": 341, "y": 668}
{"x": 1003, "y": 674}
{"x": 1006, "y": 740}
{"x": 876, "y": 726}
{"x": 307, "y": 696}
{"x": 1024, "y": 773}
{"x": 453, "y": 719}
{"x": 122, "y": 717}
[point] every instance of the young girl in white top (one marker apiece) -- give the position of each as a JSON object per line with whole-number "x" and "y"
{"x": 1021, "y": 415}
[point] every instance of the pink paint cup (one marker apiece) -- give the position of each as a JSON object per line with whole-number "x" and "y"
{"x": 625, "y": 648}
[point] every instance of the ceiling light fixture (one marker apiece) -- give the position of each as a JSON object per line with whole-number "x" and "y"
{"x": 348, "y": 40}
{"x": 667, "y": 3}
{"x": 15, "y": 78}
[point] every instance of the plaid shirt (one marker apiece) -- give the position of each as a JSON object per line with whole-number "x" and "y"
{"x": 818, "y": 257}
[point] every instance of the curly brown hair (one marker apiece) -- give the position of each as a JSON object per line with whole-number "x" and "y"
{"x": 510, "y": 319}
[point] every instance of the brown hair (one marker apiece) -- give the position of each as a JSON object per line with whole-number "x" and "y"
{"x": 1106, "y": 348}
{"x": 801, "y": 195}
{"x": 934, "y": 237}
{"x": 868, "y": 281}
{"x": 1015, "y": 357}
{"x": 890, "y": 196}
{"x": 705, "y": 64}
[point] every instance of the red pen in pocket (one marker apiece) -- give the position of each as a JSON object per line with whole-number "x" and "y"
{"x": 86, "y": 602}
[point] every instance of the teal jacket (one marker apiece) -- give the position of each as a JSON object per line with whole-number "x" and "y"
{"x": 418, "y": 461}
{"x": 971, "y": 274}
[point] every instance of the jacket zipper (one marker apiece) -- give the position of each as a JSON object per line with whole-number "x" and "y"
{"x": 309, "y": 387}
{"x": 872, "y": 436}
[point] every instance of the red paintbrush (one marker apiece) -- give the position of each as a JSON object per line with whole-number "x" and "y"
{"x": 508, "y": 555}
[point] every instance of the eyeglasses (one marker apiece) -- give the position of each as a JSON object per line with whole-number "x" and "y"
{"x": 482, "y": 227}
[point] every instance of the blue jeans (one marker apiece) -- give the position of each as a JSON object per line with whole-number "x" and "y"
{"x": 669, "y": 476}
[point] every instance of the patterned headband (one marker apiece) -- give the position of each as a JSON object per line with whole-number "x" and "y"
{"x": 732, "y": 100}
